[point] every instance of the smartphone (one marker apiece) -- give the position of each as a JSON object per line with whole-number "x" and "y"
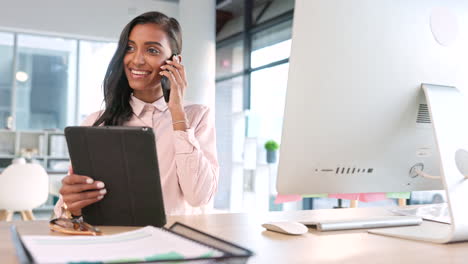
{"x": 166, "y": 85}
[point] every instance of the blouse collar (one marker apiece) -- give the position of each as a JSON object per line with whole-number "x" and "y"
{"x": 138, "y": 105}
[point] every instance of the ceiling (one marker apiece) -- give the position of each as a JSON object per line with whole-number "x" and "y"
{"x": 228, "y": 9}
{"x": 236, "y": 7}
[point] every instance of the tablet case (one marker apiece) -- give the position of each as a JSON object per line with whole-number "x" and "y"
{"x": 125, "y": 159}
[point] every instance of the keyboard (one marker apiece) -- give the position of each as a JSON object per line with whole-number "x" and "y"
{"x": 433, "y": 212}
{"x": 428, "y": 231}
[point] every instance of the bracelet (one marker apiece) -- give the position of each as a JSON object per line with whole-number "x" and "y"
{"x": 180, "y": 121}
{"x": 77, "y": 217}
{"x": 67, "y": 214}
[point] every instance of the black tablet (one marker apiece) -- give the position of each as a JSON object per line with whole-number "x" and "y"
{"x": 125, "y": 159}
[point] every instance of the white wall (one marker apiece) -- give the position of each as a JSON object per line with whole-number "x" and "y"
{"x": 85, "y": 19}
{"x": 199, "y": 49}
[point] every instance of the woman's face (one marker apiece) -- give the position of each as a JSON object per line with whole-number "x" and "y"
{"x": 147, "y": 50}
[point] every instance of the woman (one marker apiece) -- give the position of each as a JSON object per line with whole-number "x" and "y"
{"x": 133, "y": 97}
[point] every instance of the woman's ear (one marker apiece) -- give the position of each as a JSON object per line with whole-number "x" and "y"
{"x": 178, "y": 58}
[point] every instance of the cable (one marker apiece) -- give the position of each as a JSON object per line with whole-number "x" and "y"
{"x": 425, "y": 175}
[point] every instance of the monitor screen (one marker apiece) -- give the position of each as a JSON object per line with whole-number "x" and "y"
{"x": 356, "y": 119}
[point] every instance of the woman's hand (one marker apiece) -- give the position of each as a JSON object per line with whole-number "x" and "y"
{"x": 80, "y": 191}
{"x": 175, "y": 72}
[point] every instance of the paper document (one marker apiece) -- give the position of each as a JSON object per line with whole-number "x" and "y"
{"x": 434, "y": 212}
{"x": 145, "y": 244}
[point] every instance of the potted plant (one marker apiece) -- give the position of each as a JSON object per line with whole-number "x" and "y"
{"x": 271, "y": 147}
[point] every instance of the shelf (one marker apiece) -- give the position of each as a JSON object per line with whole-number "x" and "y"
{"x": 54, "y": 132}
{"x": 48, "y": 147}
{"x": 56, "y": 172}
{"x": 31, "y": 132}
{"x": 49, "y": 172}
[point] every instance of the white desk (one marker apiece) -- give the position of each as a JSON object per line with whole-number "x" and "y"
{"x": 355, "y": 246}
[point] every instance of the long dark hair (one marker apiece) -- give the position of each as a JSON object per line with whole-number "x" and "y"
{"x": 116, "y": 88}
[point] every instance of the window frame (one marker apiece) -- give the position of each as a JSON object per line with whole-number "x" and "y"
{"x": 246, "y": 36}
{"x": 249, "y": 29}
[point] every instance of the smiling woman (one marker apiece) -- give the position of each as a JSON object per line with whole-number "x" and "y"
{"x": 144, "y": 59}
{"x": 144, "y": 46}
{"x": 185, "y": 133}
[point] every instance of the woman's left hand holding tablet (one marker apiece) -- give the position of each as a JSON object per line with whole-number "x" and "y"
{"x": 79, "y": 191}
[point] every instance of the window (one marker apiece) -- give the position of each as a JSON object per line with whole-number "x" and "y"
{"x": 230, "y": 129}
{"x": 6, "y": 75}
{"x": 38, "y": 86}
{"x": 273, "y": 53}
{"x": 45, "y": 82}
{"x": 267, "y": 98}
{"x": 94, "y": 59}
{"x": 230, "y": 59}
{"x": 250, "y": 101}
{"x": 272, "y": 44}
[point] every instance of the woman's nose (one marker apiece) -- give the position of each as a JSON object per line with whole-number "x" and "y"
{"x": 138, "y": 58}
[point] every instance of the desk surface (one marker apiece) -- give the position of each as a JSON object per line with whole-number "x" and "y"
{"x": 356, "y": 246}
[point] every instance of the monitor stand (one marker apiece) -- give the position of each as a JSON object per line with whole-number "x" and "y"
{"x": 449, "y": 114}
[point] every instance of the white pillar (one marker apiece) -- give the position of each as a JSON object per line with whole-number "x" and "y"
{"x": 198, "y": 22}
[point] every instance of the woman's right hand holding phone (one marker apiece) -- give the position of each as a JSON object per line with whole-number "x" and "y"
{"x": 79, "y": 191}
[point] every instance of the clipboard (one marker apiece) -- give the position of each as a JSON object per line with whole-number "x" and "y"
{"x": 232, "y": 253}
{"x": 125, "y": 159}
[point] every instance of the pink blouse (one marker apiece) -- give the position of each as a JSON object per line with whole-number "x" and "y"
{"x": 188, "y": 163}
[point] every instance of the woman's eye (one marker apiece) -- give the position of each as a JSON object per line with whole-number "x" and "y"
{"x": 153, "y": 51}
{"x": 129, "y": 48}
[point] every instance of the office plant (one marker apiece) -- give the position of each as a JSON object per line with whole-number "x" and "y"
{"x": 271, "y": 147}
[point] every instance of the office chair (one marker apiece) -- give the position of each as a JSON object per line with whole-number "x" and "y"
{"x": 23, "y": 187}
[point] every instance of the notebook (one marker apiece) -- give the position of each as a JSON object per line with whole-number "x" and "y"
{"x": 147, "y": 244}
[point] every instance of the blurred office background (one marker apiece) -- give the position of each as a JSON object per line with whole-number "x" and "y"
{"x": 54, "y": 54}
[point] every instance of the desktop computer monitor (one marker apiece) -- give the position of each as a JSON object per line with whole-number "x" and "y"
{"x": 356, "y": 119}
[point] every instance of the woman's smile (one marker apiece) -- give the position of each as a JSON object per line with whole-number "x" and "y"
{"x": 137, "y": 74}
